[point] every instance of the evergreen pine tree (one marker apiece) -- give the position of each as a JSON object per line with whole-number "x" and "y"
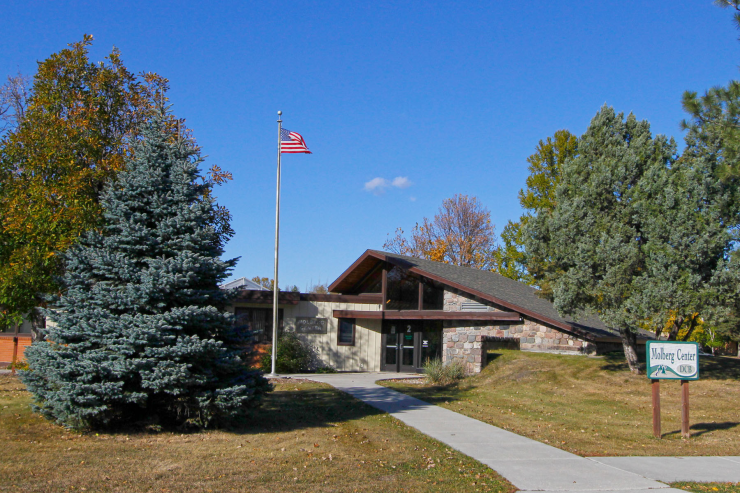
{"x": 140, "y": 333}
{"x": 594, "y": 236}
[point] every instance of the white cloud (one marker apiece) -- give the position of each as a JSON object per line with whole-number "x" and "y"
{"x": 412, "y": 199}
{"x": 377, "y": 185}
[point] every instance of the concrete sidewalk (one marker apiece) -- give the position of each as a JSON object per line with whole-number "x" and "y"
{"x": 672, "y": 469}
{"x": 527, "y": 464}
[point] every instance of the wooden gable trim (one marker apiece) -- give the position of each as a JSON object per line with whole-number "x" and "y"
{"x": 285, "y": 298}
{"x": 367, "y": 299}
{"x": 428, "y": 315}
{"x": 253, "y": 296}
{"x": 333, "y": 286}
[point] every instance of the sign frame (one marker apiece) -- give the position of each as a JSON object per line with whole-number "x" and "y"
{"x": 661, "y": 371}
{"x": 311, "y": 325}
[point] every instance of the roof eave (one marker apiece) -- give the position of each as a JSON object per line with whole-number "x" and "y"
{"x": 368, "y": 253}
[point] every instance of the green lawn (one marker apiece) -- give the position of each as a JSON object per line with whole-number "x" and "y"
{"x": 595, "y": 406}
{"x": 307, "y": 437}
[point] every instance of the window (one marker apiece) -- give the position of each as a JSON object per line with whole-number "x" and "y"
{"x": 372, "y": 282}
{"x": 346, "y": 332}
{"x": 434, "y": 296}
{"x": 403, "y": 290}
{"x": 258, "y": 321}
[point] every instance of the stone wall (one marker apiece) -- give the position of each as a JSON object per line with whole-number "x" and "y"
{"x": 471, "y": 342}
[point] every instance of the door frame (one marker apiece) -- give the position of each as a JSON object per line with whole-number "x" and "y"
{"x": 416, "y": 330}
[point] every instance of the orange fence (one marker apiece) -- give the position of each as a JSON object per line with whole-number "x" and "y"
{"x": 8, "y": 344}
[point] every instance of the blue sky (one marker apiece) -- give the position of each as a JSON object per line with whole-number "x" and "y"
{"x": 442, "y": 97}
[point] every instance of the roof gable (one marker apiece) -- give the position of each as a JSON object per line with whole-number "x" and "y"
{"x": 486, "y": 285}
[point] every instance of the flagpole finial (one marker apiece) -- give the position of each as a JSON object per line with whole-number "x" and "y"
{"x": 280, "y": 113}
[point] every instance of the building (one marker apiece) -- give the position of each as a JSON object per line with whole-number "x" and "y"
{"x": 390, "y": 312}
{"x": 243, "y": 283}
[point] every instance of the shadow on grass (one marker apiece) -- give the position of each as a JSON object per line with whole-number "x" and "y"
{"x": 699, "y": 429}
{"x": 615, "y": 362}
{"x": 492, "y": 356}
{"x": 307, "y": 408}
{"x": 436, "y": 394}
{"x": 719, "y": 368}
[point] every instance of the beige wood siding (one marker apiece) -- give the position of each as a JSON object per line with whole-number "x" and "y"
{"x": 363, "y": 356}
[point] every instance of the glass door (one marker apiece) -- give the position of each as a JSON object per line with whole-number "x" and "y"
{"x": 390, "y": 351}
{"x": 400, "y": 347}
{"x": 407, "y": 348}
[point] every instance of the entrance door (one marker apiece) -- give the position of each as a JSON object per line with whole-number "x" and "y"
{"x": 399, "y": 344}
{"x": 407, "y": 344}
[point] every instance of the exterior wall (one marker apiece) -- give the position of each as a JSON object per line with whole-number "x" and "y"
{"x": 363, "y": 356}
{"x": 470, "y": 342}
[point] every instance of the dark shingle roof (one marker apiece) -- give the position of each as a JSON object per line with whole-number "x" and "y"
{"x": 510, "y": 292}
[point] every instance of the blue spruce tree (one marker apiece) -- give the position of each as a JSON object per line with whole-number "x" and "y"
{"x": 140, "y": 333}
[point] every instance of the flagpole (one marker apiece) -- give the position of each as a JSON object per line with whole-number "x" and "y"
{"x": 276, "y": 289}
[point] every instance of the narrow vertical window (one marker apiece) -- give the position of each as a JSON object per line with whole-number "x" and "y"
{"x": 346, "y": 332}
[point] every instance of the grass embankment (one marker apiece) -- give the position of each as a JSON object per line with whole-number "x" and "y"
{"x": 595, "y": 406}
{"x": 306, "y": 437}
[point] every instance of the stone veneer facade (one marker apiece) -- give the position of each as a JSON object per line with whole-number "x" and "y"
{"x": 470, "y": 343}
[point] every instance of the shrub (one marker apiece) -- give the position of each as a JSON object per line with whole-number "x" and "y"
{"x": 292, "y": 356}
{"x": 440, "y": 374}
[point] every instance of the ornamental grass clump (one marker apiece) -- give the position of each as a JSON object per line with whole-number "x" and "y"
{"x": 437, "y": 373}
{"x": 140, "y": 333}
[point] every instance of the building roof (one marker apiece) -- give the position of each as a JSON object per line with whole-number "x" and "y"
{"x": 489, "y": 286}
{"x": 243, "y": 283}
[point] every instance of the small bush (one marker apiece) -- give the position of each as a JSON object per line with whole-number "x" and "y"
{"x": 326, "y": 369}
{"x": 440, "y": 374}
{"x": 292, "y": 356}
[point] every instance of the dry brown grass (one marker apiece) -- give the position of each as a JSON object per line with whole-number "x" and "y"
{"x": 708, "y": 487}
{"x": 307, "y": 437}
{"x": 595, "y": 406}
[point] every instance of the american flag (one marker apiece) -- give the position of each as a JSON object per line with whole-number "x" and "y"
{"x": 292, "y": 143}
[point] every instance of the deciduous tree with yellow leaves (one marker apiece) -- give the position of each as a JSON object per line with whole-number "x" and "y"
{"x": 80, "y": 121}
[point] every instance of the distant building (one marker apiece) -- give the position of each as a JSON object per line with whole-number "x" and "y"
{"x": 243, "y": 283}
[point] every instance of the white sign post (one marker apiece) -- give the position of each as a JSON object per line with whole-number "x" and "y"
{"x": 672, "y": 361}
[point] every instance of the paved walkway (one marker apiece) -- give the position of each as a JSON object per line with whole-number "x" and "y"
{"x": 526, "y": 463}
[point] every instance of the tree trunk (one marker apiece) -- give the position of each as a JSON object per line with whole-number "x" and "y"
{"x": 675, "y": 328}
{"x": 38, "y": 325}
{"x": 692, "y": 326}
{"x": 658, "y": 331}
{"x": 629, "y": 343}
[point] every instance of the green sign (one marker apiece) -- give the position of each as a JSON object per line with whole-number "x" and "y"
{"x": 672, "y": 360}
